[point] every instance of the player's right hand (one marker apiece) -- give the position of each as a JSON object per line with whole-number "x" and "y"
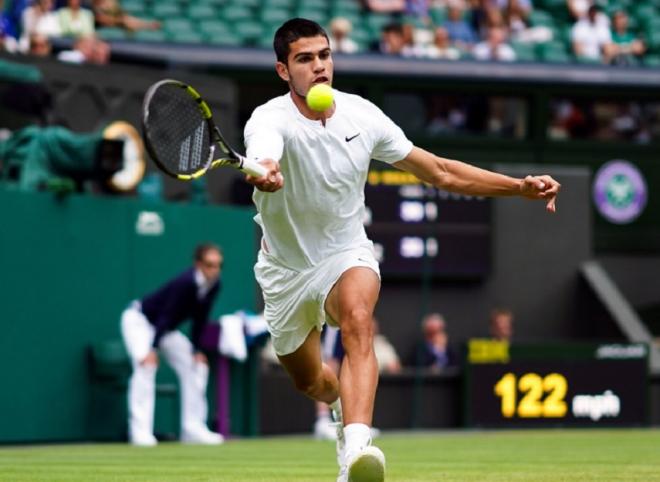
{"x": 150, "y": 359}
{"x": 271, "y": 182}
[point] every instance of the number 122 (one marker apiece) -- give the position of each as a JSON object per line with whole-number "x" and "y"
{"x": 532, "y": 386}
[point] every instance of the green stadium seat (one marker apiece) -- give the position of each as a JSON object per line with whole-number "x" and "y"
{"x": 539, "y": 18}
{"x": 652, "y": 61}
{"x": 186, "y": 37}
{"x": 315, "y": 4}
{"x": 111, "y": 33}
{"x": 246, "y": 3}
{"x": 166, "y": 10}
{"x": 347, "y": 5}
{"x": 178, "y": 25}
{"x": 149, "y": 36}
{"x": 234, "y": 13}
{"x": 318, "y": 16}
{"x": 202, "y": 11}
{"x": 227, "y": 39}
{"x": 274, "y": 15}
{"x": 213, "y": 26}
{"x": 249, "y": 31}
{"x": 135, "y": 7}
{"x": 554, "y": 52}
{"x": 283, "y": 4}
{"x": 525, "y": 52}
{"x": 438, "y": 15}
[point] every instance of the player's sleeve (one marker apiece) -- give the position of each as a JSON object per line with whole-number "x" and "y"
{"x": 264, "y": 136}
{"x": 391, "y": 144}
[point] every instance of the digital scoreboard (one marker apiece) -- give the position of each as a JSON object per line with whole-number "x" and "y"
{"x": 555, "y": 385}
{"x": 417, "y": 228}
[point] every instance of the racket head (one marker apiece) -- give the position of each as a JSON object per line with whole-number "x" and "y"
{"x": 178, "y": 129}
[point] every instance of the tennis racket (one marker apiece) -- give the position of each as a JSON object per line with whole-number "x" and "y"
{"x": 180, "y": 135}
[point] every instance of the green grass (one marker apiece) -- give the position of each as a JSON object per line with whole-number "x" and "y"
{"x": 553, "y": 455}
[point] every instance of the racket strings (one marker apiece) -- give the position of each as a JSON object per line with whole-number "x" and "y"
{"x": 178, "y": 131}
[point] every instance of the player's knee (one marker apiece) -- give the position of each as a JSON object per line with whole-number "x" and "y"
{"x": 357, "y": 330}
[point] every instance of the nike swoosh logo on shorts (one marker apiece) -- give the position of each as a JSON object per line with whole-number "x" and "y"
{"x": 349, "y": 139}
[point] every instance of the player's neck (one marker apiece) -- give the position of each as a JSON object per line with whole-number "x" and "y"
{"x": 304, "y": 109}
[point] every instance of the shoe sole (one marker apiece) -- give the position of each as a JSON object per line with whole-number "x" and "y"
{"x": 369, "y": 466}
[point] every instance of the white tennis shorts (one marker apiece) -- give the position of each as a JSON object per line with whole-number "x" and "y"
{"x": 295, "y": 300}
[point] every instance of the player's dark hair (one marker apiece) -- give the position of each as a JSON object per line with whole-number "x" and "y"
{"x": 203, "y": 248}
{"x": 292, "y": 30}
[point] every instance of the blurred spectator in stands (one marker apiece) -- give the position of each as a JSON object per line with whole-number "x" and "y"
{"x": 340, "y": 29}
{"x": 501, "y": 324}
{"x": 516, "y": 19}
{"x": 108, "y": 13}
{"x": 459, "y": 30}
{"x": 435, "y": 353}
{"x": 442, "y": 47}
{"x": 386, "y": 356}
{"x": 7, "y": 42}
{"x": 591, "y": 38}
{"x": 392, "y": 40}
{"x": 415, "y": 40}
{"x": 578, "y": 8}
{"x": 625, "y": 48}
{"x": 87, "y": 50}
{"x": 39, "y": 45}
{"x": 494, "y": 47}
{"x": 75, "y": 21}
{"x": 40, "y": 18}
{"x": 385, "y": 6}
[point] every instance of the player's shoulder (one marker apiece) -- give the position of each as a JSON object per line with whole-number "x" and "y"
{"x": 275, "y": 106}
{"x": 354, "y": 101}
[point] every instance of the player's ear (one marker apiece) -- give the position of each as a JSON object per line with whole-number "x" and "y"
{"x": 282, "y": 70}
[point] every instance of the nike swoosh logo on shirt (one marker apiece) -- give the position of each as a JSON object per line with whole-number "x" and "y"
{"x": 349, "y": 139}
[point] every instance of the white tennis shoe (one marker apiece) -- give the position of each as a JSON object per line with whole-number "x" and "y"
{"x": 366, "y": 465}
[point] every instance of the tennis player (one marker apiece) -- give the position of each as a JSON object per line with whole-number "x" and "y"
{"x": 316, "y": 263}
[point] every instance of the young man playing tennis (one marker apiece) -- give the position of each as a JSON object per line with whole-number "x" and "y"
{"x": 316, "y": 264}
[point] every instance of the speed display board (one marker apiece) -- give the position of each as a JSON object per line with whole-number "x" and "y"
{"x": 555, "y": 385}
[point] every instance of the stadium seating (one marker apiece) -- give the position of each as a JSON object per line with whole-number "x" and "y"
{"x": 253, "y": 22}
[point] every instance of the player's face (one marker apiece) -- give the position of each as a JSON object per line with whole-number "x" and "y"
{"x": 309, "y": 63}
{"x": 210, "y": 265}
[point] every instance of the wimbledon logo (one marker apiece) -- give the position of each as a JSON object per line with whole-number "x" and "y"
{"x": 619, "y": 192}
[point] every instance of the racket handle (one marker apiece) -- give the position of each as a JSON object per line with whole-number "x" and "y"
{"x": 253, "y": 168}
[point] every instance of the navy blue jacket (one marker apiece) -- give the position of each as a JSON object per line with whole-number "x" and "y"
{"x": 177, "y": 301}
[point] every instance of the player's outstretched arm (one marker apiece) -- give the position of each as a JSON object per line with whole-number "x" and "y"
{"x": 459, "y": 177}
{"x": 272, "y": 181}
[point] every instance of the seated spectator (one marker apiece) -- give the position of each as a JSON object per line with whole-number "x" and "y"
{"x": 40, "y": 19}
{"x": 340, "y": 28}
{"x": 386, "y": 356}
{"x": 435, "y": 353}
{"x": 442, "y": 47}
{"x": 385, "y": 6}
{"x": 87, "y": 50}
{"x": 392, "y": 40}
{"x": 495, "y": 47}
{"x": 591, "y": 38}
{"x": 459, "y": 30}
{"x": 108, "y": 13}
{"x": 577, "y": 9}
{"x": 516, "y": 15}
{"x": 75, "y": 21}
{"x": 39, "y": 45}
{"x": 501, "y": 324}
{"x": 625, "y": 47}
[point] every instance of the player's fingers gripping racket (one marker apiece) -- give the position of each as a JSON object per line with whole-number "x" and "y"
{"x": 180, "y": 135}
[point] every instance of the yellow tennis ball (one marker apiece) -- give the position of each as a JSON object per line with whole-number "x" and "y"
{"x": 319, "y": 97}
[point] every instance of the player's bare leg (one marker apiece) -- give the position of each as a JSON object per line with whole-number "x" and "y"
{"x": 351, "y": 302}
{"x": 310, "y": 376}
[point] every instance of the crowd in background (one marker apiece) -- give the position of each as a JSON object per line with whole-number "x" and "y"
{"x": 496, "y": 30}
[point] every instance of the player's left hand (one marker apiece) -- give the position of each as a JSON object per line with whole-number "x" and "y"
{"x": 272, "y": 181}
{"x": 541, "y": 187}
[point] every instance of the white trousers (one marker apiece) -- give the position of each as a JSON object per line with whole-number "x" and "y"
{"x": 176, "y": 348}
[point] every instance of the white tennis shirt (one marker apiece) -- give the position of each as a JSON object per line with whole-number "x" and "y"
{"x": 320, "y": 209}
